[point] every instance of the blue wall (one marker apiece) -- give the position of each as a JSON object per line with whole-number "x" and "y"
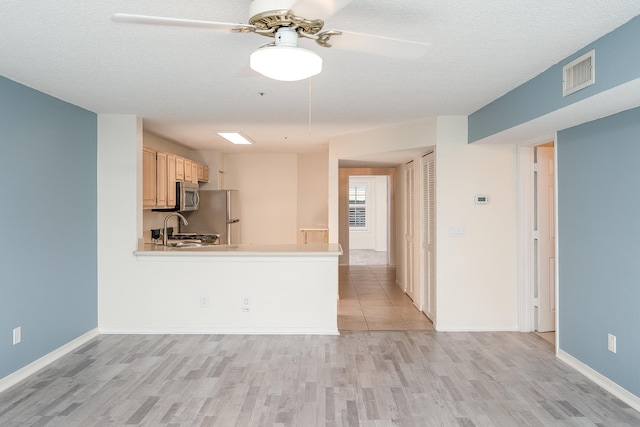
{"x": 599, "y": 244}
{"x": 617, "y": 61}
{"x": 48, "y": 245}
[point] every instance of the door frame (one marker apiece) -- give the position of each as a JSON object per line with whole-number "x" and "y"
{"x": 343, "y": 209}
{"x": 526, "y": 254}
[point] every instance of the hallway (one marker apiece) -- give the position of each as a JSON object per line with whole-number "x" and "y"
{"x": 370, "y": 300}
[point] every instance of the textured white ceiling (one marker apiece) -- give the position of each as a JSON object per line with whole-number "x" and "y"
{"x": 188, "y": 82}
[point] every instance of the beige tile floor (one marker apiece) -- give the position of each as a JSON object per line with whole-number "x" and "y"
{"x": 370, "y": 300}
{"x": 368, "y": 257}
{"x": 549, "y": 336}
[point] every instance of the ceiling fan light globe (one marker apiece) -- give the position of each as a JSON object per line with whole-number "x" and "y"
{"x": 285, "y": 63}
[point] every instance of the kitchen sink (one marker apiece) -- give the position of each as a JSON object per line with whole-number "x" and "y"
{"x": 190, "y": 245}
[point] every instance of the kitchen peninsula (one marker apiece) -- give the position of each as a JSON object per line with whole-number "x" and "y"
{"x": 246, "y": 289}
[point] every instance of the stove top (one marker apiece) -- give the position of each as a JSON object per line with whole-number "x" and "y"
{"x": 210, "y": 238}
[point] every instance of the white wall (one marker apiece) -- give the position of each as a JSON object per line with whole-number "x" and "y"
{"x": 156, "y": 295}
{"x": 163, "y": 144}
{"x": 477, "y": 273}
{"x": 313, "y": 183}
{"x": 407, "y": 136}
{"x": 279, "y": 194}
{"x": 268, "y": 186}
{"x": 375, "y": 235}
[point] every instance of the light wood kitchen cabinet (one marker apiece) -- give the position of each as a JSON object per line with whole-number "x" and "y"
{"x": 171, "y": 180}
{"x": 161, "y": 180}
{"x": 194, "y": 172}
{"x": 200, "y": 172}
{"x": 179, "y": 169}
{"x": 187, "y": 170}
{"x": 148, "y": 178}
{"x": 161, "y": 171}
{"x": 203, "y": 172}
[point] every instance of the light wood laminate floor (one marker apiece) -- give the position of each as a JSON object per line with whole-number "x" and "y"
{"x": 408, "y": 378}
{"x": 370, "y": 300}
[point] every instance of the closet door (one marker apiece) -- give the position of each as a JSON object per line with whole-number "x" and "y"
{"x": 429, "y": 235}
{"x": 409, "y": 230}
{"x": 545, "y": 241}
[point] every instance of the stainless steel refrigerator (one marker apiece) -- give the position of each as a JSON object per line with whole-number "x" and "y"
{"x": 219, "y": 212}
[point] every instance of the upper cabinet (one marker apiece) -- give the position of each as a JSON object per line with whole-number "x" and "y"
{"x": 179, "y": 169}
{"x": 161, "y": 180}
{"x": 194, "y": 172}
{"x": 148, "y": 178}
{"x": 171, "y": 180}
{"x": 187, "y": 170}
{"x": 190, "y": 171}
{"x": 202, "y": 172}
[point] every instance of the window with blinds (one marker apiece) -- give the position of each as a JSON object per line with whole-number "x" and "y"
{"x": 358, "y": 206}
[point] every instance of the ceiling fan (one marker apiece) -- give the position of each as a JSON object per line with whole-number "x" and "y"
{"x": 286, "y": 21}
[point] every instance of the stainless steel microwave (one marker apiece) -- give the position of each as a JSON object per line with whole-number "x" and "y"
{"x": 187, "y": 197}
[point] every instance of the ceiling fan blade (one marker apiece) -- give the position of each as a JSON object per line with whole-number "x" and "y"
{"x": 318, "y": 9}
{"x": 377, "y": 45}
{"x": 159, "y": 20}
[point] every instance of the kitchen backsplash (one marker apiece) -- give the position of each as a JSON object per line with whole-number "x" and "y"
{"x": 153, "y": 220}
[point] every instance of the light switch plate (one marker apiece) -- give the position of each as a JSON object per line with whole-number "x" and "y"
{"x": 611, "y": 344}
{"x": 457, "y": 231}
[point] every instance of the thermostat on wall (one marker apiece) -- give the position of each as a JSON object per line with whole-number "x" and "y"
{"x": 481, "y": 199}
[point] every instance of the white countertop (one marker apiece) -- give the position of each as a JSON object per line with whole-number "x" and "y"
{"x": 316, "y": 249}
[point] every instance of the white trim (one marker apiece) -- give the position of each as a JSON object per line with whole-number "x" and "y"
{"x": 33, "y": 367}
{"x": 525, "y": 233}
{"x": 219, "y": 331}
{"x": 473, "y": 327}
{"x": 604, "y": 382}
{"x": 525, "y": 239}
{"x": 557, "y": 233}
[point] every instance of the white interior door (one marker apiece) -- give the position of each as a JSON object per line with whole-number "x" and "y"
{"x": 545, "y": 240}
{"x": 409, "y": 288}
{"x": 429, "y": 235}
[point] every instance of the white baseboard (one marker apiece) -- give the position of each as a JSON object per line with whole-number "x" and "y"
{"x": 440, "y": 327}
{"x": 219, "y": 331}
{"x": 33, "y": 367}
{"x": 604, "y": 382}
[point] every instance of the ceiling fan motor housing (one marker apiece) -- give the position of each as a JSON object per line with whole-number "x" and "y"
{"x": 286, "y": 36}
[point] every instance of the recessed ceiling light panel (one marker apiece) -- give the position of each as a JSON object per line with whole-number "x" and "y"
{"x": 235, "y": 138}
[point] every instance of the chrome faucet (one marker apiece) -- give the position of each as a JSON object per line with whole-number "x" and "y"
{"x": 164, "y": 235}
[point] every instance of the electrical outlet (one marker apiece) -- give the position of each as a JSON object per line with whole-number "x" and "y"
{"x": 611, "y": 345}
{"x": 17, "y": 335}
{"x": 204, "y": 302}
{"x": 246, "y": 303}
